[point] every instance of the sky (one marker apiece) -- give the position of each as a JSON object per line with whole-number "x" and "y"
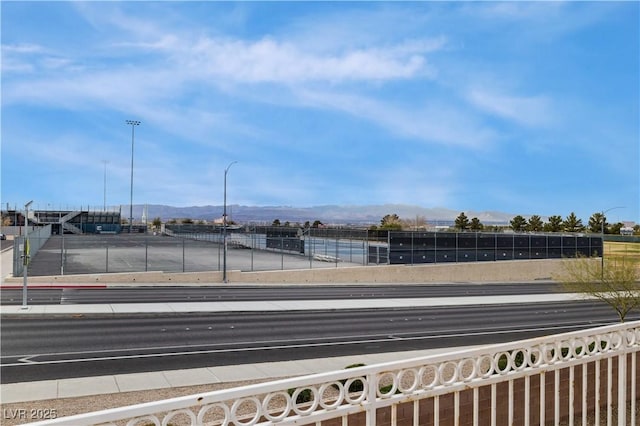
{"x": 518, "y": 107}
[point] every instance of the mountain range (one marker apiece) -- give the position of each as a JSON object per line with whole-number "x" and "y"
{"x": 328, "y": 214}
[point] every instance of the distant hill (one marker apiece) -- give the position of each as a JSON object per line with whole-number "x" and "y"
{"x": 328, "y": 214}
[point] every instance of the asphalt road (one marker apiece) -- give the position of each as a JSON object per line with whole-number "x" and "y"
{"x": 75, "y": 346}
{"x": 6, "y": 244}
{"x": 260, "y": 293}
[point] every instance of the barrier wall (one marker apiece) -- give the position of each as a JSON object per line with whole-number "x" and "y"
{"x": 514, "y": 271}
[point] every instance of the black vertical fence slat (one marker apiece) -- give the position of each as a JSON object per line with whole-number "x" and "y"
{"x": 441, "y": 247}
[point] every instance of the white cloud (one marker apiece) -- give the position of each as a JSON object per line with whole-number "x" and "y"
{"x": 21, "y": 48}
{"x": 435, "y": 123}
{"x": 15, "y": 57}
{"x": 12, "y": 65}
{"x": 544, "y": 21}
{"x": 434, "y": 185}
{"x": 154, "y": 87}
{"x": 517, "y": 11}
{"x": 529, "y": 111}
{"x": 284, "y": 62}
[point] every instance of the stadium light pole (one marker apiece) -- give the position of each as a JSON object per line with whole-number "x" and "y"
{"x": 25, "y": 252}
{"x": 224, "y": 225}
{"x": 133, "y": 124}
{"x": 104, "y": 203}
{"x": 602, "y": 231}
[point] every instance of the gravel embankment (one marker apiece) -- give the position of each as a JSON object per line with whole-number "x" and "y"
{"x": 35, "y": 410}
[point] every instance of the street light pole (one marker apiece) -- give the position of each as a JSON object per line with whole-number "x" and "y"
{"x": 224, "y": 226}
{"x": 602, "y": 231}
{"x": 25, "y": 252}
{"x": 133, "y": 124}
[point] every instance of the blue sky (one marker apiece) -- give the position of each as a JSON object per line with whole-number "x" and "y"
{"x": 525, "y": 108}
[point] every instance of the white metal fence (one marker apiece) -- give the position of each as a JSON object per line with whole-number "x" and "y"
{"x": 584, "y": 377}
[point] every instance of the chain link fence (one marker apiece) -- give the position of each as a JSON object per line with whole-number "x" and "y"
{"x": 192, "y": 252}
{"x": 35, "y": 239}
{"x": 198, "y": 248}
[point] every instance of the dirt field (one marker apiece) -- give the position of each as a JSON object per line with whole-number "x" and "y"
{"x": 628, "y": 250}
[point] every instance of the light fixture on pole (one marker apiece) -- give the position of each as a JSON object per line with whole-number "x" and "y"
{"x": 602, "y": 231}
{"x": 25, "y": 254}
{"x": 133, "y": 124}
{"x": 224, "y": 226}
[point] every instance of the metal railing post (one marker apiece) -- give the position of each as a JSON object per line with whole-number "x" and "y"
{"x": 622, "y": 387}
{"x": 372, "y": 395}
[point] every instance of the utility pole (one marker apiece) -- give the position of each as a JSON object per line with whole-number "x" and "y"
{"x": 224, "y": 226}
{"x": 25, "y": 253}
{"x": 133, "y": 124}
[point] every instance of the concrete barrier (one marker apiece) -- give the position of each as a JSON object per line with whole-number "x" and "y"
{"x": 504, "y": 271}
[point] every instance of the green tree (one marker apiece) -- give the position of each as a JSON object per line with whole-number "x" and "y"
{"x": 617, "y": 284}
{"x": 156, "y": 223}
{"x": 276, "y": 222}
{"x": 615, "y": 228}
{"x": 420, "y": 222}
{"x": 535, "y": 224}
{"x": 573, "y": 224}
{"x": 554, "y": 224}
{"x": 316, "y": 224}
{"x": 188, "y": 221}
{"x": 391, "y": 222}
{"x": 462, "y": 222}
{"x": 518, "y": 224}
{"x": 596, "y": 223}
{"x": 476, "y": 225}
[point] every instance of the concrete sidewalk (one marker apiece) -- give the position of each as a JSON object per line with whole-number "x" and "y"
{"x": 281, "y": 305}
{"x": 100, "y": 385}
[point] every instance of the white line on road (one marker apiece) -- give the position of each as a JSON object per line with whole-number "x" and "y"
{"x": 27, "y": 360}
{"x": 385, "y": 338}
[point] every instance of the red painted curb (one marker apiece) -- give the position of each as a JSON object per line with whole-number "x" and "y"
{"x": 82, "y": 286}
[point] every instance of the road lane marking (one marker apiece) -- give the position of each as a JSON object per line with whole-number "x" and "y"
{"x": 259, "y": 348}
{"x": 360, "y": 337}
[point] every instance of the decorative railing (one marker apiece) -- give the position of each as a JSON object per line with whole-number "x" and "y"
{"x": 583, "y": 377}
